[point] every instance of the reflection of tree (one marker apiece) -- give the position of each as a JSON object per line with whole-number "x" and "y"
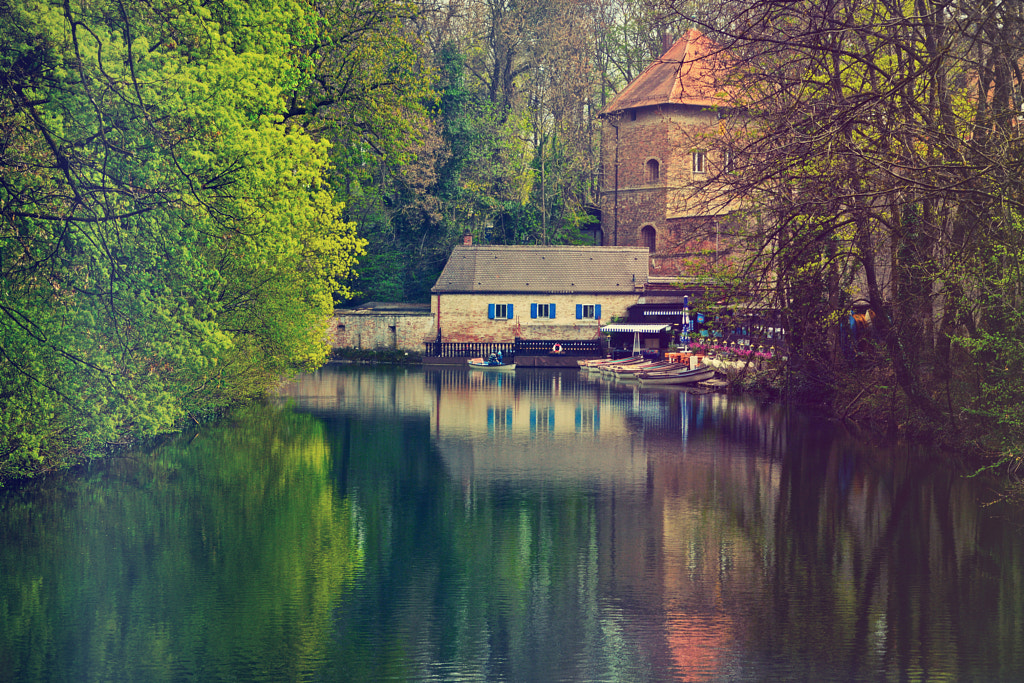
{"x": 466, "y": 579}
{"x": 347, "y": 547}
{"x": 888, "y": 549}
{"x": 807, "y": 551}
{"x": 219, "y": 557}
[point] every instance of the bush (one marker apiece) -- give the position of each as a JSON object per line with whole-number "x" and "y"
{"x": 393, "y": 356}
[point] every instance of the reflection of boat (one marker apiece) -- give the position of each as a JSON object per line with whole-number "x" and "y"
{"x": 481, "y": 364}
{"x": 701, "y": 374}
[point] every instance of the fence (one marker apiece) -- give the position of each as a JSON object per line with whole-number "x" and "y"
{"x": 521, "y": 347}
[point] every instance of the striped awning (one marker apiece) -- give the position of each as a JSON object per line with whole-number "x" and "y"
{"x": 642, "y": 329}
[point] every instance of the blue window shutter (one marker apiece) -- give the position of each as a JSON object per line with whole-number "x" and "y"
{"x": 490, "y": 311}
{"x": 510, "y": 311}
{"x": 597, "y": 311}
{"x": 533, "y": 310}
{"x": 551, "y": 311}
{"x": 579, "y": 311}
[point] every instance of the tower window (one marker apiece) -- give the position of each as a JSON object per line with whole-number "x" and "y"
{"x": 699, "y": 161}
{"x": 652, "y": 171}
{"x": 649, "y": 237}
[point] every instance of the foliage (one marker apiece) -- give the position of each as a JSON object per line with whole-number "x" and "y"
{"x": 388, "y": 356}
{"x": 876, "y": 152}
{"x": 169, "y": 244}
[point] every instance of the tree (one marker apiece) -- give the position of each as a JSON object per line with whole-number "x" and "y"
{"x": 168, "y": 244}
{"x": 878, "y": 151}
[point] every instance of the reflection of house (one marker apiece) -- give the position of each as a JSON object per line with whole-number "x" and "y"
{"x": 662, "y": 140}
{"x": 492, "y": 293}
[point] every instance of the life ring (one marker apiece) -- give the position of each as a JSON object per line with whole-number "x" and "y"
{"x": 557, "y": 348}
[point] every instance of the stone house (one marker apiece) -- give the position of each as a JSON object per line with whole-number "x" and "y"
{"x": 497, "y": 293}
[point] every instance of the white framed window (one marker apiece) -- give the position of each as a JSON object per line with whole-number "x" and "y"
{"x": 699, "y": 161}
{"x": 588, "y": 311}
{"x": 542, "y": 311}
{"x": 499, "y": 311}
{"x": 728, "y": 161}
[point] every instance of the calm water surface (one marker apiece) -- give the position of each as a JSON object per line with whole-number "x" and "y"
{"x": 410, "y": 525}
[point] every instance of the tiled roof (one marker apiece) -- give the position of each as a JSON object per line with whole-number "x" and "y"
{"x": 500, "y": 268}
{"x": 686, "y": 74}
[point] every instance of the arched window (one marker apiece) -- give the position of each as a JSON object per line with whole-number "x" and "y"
{"x": 649, "y": 237}
{"x": 599, "y": 237}
{"x": 652, "y": 171}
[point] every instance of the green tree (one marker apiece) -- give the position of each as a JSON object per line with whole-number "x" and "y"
{"x": 168, "y": 244}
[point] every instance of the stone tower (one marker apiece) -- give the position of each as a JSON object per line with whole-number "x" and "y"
{"x": 661, "y": 144}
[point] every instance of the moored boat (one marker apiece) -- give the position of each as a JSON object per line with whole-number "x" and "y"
{"x": 598, "y": 365}
{"x": 490, "y": 364}
{"x": 631, "y": 371}
{"x": 701, "y": 374}
{"x": 632, "y": 362}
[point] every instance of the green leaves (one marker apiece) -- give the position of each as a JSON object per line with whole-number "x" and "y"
{"x": 168, "y": 244}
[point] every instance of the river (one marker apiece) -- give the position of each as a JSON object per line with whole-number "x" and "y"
{"x": 455, "y": 525}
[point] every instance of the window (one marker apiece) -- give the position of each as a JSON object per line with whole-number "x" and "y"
{"x": 652, "y": 171}
{"x": 649, "y": 237}
{"x": 698, "y": 161}
{"x": 588, "y": 311}
{"x": 499, "y": 311}
{"x": 728, "y": 161}
{"x": 542, "y": 311}
{"x": 632, "y": 115}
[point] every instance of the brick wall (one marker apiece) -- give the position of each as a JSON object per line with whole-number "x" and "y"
{"x": 464, "y": 318}
{"x": 671, "y": 205}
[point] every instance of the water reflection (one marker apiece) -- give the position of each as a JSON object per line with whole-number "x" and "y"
{"x": 539, "y": 526}
{"x": 715, "y": 537}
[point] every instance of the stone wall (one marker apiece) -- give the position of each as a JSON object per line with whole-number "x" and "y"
{"x": 673, "y": 205}
{"x": 403, "y": 327}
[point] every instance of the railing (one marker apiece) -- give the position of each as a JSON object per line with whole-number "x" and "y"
{"x": 569, "y": 347}
{"x": 468, "y": 349}
{"x": 522, "y": 347}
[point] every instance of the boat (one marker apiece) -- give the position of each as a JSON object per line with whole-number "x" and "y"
{"x": 702, "y": 374}
{"x": 597, "y": 365}
{"x": 489, "y": 364}
{"x": 628, "y": 372}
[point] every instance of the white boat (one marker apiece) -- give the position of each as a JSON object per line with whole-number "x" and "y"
{"x": 482, "y": 364}
{"x": 702, "y": 374}
{"x": 597, "y": 365}
{"x": 652, "y": 366}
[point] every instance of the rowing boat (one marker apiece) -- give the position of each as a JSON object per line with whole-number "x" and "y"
{"x": 481, "y": 364}
{"x": 701, "y": 374}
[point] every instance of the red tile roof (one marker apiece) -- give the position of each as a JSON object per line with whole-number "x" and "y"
{"x": 688, "y": 73}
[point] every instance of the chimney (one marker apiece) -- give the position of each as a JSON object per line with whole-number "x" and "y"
{"x": 467, "y": 239}
{"x": 666, "y": 42}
